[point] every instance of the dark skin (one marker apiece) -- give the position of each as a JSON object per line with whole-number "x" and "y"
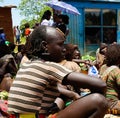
{"x": 54, "y": 47}
{"x": 72, "y": 52}
{"x": 90, "y": 106}
{"x": 48, "y": 44}
{"x": 7, "y": 66}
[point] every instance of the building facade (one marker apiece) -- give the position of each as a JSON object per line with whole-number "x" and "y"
{"x": 99, "y": 22}
{"x": 6, "y": 21}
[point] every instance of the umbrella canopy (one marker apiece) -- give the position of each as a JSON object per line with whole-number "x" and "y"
{"x": 62, "y": 6}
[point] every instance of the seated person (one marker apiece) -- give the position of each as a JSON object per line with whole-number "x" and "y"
{"x": 111, "y": 75}
{"x": 32, "y": 92}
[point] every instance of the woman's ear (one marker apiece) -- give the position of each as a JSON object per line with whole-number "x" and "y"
{"x": 44, "y": 45}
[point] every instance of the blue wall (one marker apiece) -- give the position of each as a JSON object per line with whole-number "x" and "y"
{"x": 76, "y": 25}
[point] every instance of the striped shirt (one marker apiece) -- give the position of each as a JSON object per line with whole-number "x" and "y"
{"x": 34, "y": 90}
{"x": 113, "y": 85}
{"x": 112, "y": 80}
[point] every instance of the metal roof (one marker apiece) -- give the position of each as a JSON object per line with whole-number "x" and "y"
{"x": 8, "y": 6}
{"x": 105, "y": 0}
{"x": 117, "y": 1}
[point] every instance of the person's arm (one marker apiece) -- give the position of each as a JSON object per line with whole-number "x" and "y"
{"x": 71, "y": 94}
{"x": 12, "y": 67}
{"x": 85, "y": 81}
{"x": 3, "y": 67}
{"x": 78, "y": 61}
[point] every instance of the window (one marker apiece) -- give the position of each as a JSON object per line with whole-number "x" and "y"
{"x": 92, "y": 17}
{"x": 100, "y": 26}
{"x": 109, "y": 17}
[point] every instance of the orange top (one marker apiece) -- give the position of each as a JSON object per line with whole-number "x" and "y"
{"x": 27, "y": 31}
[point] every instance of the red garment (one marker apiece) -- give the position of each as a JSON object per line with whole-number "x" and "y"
{"x": 27, "y": 31}
{"x": 3, "y": 108}
{"x": 14, "y": 31}
{"x": 12, "y": 116}
{"x": 3, "y": 105}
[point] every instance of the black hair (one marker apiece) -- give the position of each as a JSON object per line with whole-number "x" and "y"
{"x": 46, "y": 15}
{"x": 12, "y": 46}
{"x": 27, "y": 25}
{"x": 4, "y": 49}
{"x": 1, "y": 30}
{"x": 20, "y": 47}
{"x": 113, "y": 55}
{"x": 65, "y": 18}
{"x": 35, "y": 40}
{"x": 62, "y": 27}
{"x": 62, "y": 24}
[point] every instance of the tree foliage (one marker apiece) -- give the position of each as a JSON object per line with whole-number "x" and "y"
{"x": 32, "y": 10}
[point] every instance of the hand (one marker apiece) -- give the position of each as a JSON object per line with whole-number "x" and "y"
{"x": 53, "y": 109}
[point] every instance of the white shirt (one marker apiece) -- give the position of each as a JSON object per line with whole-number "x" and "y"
{"x": 45, "y": 22}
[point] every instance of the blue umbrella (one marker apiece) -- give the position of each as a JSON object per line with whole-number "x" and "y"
{"x": 62, "y": 6}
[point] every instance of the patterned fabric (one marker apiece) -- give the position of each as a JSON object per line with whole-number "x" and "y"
{"x": 113, "y": 89}
{"x": 52, "y": 115}
{"x": 113, "y": 84}
{"x": 71, "y": 65}
{"x": 102, "y": 69}
{"x": 35, "y": 88}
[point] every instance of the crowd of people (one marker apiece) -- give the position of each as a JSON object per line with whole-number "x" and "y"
{"x": 56, "y": 20}
{"x": 44, "y": 78}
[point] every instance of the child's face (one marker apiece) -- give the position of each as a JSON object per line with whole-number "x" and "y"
{"x": 76, "y": 54}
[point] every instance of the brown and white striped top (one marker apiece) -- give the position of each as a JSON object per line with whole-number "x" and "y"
{"x": 34, "y": 88}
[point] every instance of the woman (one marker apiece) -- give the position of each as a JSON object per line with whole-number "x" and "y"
{"x": 33, "y": 91}
{"x": 111, "y": 75}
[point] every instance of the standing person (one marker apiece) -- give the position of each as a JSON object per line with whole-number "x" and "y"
{"x": 33, "y": 92}
{"x": 17, "y": 34}
{"x": 62, "y": 23}
{"x": 2, "y": 36}
{"x": 55, "y": 20}
{"x": 111, "y": 75}
{"x": 46, "y": 18}
{"x": 27, "y": 30}
{"x": 14, "y": 31}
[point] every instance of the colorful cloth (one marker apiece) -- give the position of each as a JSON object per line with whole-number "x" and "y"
{"x": 27, "y": 31}
{"x": 112, "y": 79}
{"x": 52, "y": 116}
{"x": 34, "y": 90}
{"x": 30, "y": 115}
